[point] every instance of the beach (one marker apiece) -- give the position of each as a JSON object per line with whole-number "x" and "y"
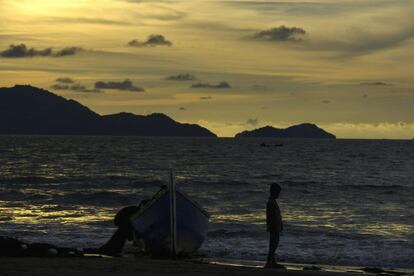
{"x": 136, "y": 266}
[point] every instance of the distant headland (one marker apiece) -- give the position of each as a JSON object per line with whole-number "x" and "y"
{"x": 29, "y": 110}
{"x": 26, "y": 109}
{"x": 298, "y": 131}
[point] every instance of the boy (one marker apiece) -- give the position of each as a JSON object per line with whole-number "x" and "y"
{"x": 274, "y": 225}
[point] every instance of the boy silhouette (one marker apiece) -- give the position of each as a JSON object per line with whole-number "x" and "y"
{"x": 274, "y": 225}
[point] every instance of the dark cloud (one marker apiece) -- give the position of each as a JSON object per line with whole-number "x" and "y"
{"x": 75, "y": 87}
{"x": 182, "y": 77}
{"x": 21, "y": 51}
{"x": 17, "y": 51}
{"x": 64, "y": 80}
{"x": 118, "y": 85}
{"x": 93, "y": 90}
{"x": 86, "y": 20}
{"x": 221, "y": 85}
{"x": 326, "y": 101}
{"x": 182, "y": 108}
{"x": 78, "y": 87}
{"x": 68, "y": 51}
{"x": 60, "y": 87}
{"x": 206, "y": 98}
{"x": 252, "y": 121}
{"x": 152, "y": 41}
{"x": 281, "y": 33}
{"x": 376, "y": 83}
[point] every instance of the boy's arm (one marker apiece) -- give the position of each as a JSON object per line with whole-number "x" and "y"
{"x": 271, "y": 215}
{"x": 281, "y": 224}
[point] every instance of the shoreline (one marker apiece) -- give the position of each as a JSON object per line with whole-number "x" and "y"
{"x": 314, "y": 267}
{"x": 102, "y": 266}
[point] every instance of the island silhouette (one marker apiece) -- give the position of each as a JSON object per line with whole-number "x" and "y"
{"x": 29, "y": 110}
{"x": 25, "y": 109}
{"x": 305, "y": 130}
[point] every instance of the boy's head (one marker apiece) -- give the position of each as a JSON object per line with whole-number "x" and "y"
{"x": 275, "y": 190}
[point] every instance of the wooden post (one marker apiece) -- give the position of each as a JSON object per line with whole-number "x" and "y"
{"x": 173, "y": 215}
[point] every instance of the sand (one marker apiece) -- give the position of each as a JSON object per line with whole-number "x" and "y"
{"x": 134, "y": 266}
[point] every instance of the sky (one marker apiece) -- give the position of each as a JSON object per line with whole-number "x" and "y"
{"x": 345, "y": 65}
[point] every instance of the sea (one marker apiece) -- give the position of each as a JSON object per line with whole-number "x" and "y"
{"x": 343, "y": 202}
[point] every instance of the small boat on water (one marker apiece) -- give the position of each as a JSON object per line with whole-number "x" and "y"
{"x": 270, "y": 145}
{"x": 171, "y": 223}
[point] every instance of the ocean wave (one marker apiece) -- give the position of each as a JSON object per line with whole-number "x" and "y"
{"x": 222, "y": 233}
{"x": 111, "y": 180}
{"x": 380, "y": 187}
{"x": 100, "y": 198}
{"x": 21, "y": 196}
{"x": 213, "y": 183}
{"x": 3, "y": 219}
{"x": 301, "y": 183}
{"x": 313, "y": 183}
{"x": 29, "y": 180}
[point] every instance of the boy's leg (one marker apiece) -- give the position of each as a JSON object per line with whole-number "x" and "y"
{"x": 273, "y": 243}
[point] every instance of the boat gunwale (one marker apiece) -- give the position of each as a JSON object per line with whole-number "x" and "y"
{"x": 158, "y": 196}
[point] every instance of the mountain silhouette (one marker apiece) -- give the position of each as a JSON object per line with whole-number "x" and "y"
{"x": 298, "y": 131}
{"x": 25, "y": 109}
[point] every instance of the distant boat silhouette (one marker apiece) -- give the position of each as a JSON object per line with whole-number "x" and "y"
{"x": 271, "y": 145}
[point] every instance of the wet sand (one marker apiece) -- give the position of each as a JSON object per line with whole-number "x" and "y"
{"x": 135, "y": 266}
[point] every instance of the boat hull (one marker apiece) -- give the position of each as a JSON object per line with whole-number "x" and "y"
{"x": 153, "y": 226}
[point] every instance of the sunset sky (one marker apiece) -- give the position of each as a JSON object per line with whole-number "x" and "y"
{"x": 346, "y": 65}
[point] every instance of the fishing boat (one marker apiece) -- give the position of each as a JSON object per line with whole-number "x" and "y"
{"x": 270, "y": 145}
{"x": 171, "y": 223}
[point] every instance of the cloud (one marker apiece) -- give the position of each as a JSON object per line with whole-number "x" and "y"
{"x": 86, "y": 20}
{"x": 252, "y": 121}
{"x": 281, "y": 33}
{"x": 390, "y": 130}
{"x": 376, "y": 83}
{"x": 17, "y": 51}
{"x": 221, "y": 85}
{"x": 182, "y": 108}
{"x": 121, "y": 85}
{"x": 78, "y": 87}
{"x": 182, "y": 77}
{"x": 64, "y": 80}
{"x": 68, "y": 51}
{"x": 206, "y": 98}
{"x": 364, "y": 41}
{"x": 21, "y": 51}
{"x": 75, "y": 88}
{"x": 60, "y": 87}
{"x": 152, "y": 41}
{"x": 326, "y": 101}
